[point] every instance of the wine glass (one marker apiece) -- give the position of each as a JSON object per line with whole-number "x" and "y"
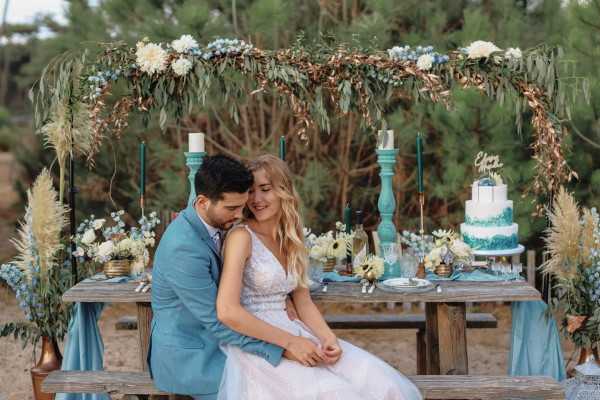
{"x": 390, "y": 256}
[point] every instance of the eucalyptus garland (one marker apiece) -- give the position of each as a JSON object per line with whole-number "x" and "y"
{"x": 315, "y": 82}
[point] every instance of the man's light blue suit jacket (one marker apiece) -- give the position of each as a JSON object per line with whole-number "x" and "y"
{"x": 184, "y": 355}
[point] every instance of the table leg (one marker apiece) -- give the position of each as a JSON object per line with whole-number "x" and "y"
{"x": 446, "y": 339}
{"x": 144, "y": 316}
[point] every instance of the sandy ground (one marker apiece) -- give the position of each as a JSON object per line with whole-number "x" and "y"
{"x": 488, "y": 348}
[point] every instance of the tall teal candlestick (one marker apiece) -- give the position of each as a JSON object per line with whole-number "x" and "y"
{"x": 387, "y": 205}
{"x": 282, "y": 148}
{"x": 193, "y": 161}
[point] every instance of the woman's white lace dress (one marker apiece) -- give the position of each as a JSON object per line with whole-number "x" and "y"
{"x": 358, "y": 375}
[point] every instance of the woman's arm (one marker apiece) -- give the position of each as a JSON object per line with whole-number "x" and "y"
{"x": 310, "y": 314}
{"x": 231, "y": 313}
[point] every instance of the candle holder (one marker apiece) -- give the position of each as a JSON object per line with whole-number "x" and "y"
{"x": 193, "y": 161}
{"x": 386, "y": 204}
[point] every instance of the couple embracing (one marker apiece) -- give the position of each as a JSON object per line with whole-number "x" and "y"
{"x": 233, "y": 317}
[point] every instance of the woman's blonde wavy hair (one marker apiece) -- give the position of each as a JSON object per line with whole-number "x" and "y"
{"x": 290, "y": 233}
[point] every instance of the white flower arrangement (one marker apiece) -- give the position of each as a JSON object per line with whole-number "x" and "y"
{"x": 184, "y": 44}
{"x": 448, "y": 249}
{"x": 100, "y": 243}
{"x": 151, "y": 57}
{"x": 481, "y": 49}
{"x": 371, "y": 268}
{"x": 181, "y": 66}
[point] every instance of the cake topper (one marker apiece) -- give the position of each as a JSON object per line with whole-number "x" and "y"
{"x": 488, "y": 166}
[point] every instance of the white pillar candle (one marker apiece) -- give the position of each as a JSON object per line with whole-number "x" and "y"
{"x": 385, "y": 140}
{"x": 196, "y": 142}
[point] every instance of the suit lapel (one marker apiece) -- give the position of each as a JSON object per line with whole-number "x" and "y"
{"x": 192, "y": 217}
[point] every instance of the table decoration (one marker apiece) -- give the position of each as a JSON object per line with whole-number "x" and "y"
{"x": 448, "y": 250}
{"x": 573, "y": 243}
{"x": 329, "y": 246}
{"x": 116, "y": 248}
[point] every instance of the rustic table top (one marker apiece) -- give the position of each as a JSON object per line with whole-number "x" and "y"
{"x": 338, "y": 292}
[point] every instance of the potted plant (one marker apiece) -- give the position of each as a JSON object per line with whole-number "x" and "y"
{"x": 39, "y": 276}
{"x": 573, "y": 244}
{"x": 329, "y": 247}
{"x": 448, "y": 250}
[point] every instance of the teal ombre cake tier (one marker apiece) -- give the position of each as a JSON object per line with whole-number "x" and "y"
{"x": 497, "y": 242}
{"x": 505, "y": 218}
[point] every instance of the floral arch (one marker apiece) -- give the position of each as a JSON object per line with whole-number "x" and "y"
{"x": 72, "y": 111}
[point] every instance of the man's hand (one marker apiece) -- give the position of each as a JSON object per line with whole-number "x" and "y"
{"x": 304, "y": 351}
{"x": 331, "y": 349}
{"x": 291, "y": 309}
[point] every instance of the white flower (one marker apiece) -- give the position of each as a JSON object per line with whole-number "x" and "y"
{"x": 425, "y": 62}
{"x": 481, "y": 49}
{"x": 151, "y": 57}
{"x": 182, "y": 66}
{"x": 513, "y": 54}
{"x": 88, "y": 237}
{"x": 106, "y": 249}
{"x": 98, "y": 223}
{"x": 460, "y": 249}
{"x": 79, "y": 252}
{"x": 184, "y": 44}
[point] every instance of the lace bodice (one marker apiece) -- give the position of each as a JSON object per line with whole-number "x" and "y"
{"x": 265, "y": 284}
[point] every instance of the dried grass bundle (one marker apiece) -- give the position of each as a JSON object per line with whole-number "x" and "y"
{"x": 38, "y": 239}
{"x": 563, "y": 237}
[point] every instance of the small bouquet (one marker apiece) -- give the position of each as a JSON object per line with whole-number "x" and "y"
{"x": 329, "y": 245}
{"x": 448, "y": 249}
{"x": 99, "y": 242}
{"x": 371, "y": 268}
{"x": 418, "y": 246}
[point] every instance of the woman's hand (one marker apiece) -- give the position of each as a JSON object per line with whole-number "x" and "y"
{"x": 304, "y": 351}
{"x": 331, "y": 349}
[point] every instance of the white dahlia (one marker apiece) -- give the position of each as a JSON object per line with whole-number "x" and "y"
{"x": 184, "y": 44}
{"x": 182, "y": 66}
{"x": 425, "y": 62}
{"x": 151, "y": 58}
{"x": 481, "y": 49}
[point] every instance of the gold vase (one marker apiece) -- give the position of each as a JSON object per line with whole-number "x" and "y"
{"x": 329, "y": 265}
{"x": 443, "y": 270}
{"x": 114, "y": 268}
{"x": 50, "y": 360}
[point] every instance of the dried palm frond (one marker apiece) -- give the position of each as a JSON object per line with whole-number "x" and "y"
{"x": 68, "y": 127}
{"x": 587, "y": 237}
{"x": 563, "y": 237}
{"x": 38, "y": 239}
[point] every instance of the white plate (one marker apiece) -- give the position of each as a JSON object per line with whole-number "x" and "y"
{"x": 406, "y": 282}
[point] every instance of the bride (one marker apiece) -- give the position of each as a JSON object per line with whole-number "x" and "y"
{"x": 264, "y": 261}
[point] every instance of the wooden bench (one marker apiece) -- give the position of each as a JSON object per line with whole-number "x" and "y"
{"x": 432, "y": 386}
{"x": 409, "y": 321}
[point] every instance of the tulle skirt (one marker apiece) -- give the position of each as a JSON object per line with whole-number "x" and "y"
{"x": 358, "y": 375}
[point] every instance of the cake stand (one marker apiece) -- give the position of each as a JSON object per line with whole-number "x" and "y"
{"x": 499, "y": 253}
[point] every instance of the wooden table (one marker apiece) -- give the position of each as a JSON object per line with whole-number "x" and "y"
{"x": 445, "y": 311}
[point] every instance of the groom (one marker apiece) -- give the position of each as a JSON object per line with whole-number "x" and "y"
{"x": 184, "y": 355}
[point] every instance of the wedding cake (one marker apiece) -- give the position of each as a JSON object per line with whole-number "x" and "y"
{"x": 488, "y": 222}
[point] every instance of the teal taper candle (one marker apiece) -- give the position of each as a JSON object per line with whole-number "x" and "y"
{"x": 142, "y": 168}
{"x": 348, "y": 217}
{"x": 420, "y": 163}
{"x": 282, "y": 148}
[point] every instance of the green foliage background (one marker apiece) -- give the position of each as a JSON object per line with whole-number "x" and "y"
{"x": 340, "y": 166}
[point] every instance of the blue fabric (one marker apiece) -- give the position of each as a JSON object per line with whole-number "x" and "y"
{"x": 184, "y": 355}
{"x": 84, "y": 348}
{"x": 333, "y": 276}
{"x": 476, "y": 275}
{"x": 535, "y": 344}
